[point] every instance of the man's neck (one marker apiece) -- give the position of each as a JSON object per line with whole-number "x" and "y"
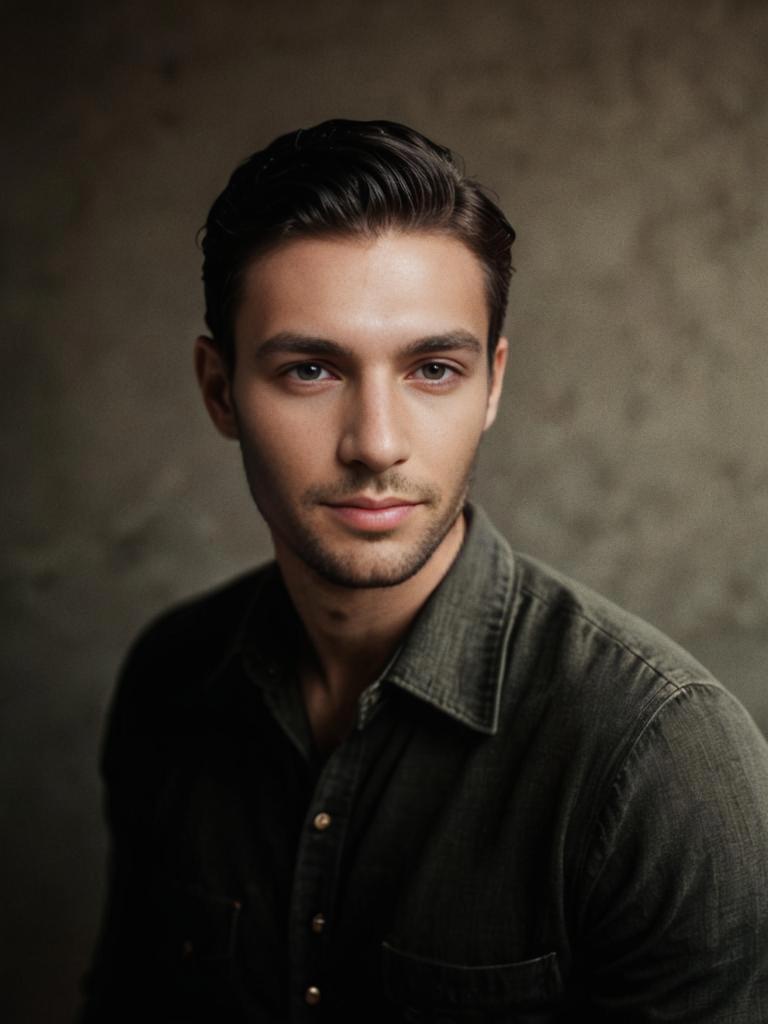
{"x": 354, "y": 632}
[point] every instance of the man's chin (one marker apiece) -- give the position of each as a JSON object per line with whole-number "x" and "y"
{"x": 364, "y": 574}
{"x": 372, "y": 561}
{"x": 363, "y": 560}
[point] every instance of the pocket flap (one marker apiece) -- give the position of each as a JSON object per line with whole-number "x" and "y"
{"x": 423, "y": 983}
{"x": 200, "y": 926}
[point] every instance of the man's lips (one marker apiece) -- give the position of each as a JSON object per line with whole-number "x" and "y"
{"x": 372, "y": 514}
{"x": 372, "y": 503}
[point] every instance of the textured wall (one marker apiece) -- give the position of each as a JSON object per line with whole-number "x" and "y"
{"x": 628, "y": 142}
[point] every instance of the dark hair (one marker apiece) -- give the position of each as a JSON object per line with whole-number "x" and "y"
{"x": 348, "y": 178}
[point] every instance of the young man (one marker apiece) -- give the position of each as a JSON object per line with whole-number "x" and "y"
{"x": 402, "y": 774}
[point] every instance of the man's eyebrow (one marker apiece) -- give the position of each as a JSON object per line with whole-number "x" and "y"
{"x": 451, "y": 341}
{"x": 290, "y": 343}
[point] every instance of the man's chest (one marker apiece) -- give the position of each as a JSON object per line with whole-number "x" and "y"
{"x": 405, "y": 876}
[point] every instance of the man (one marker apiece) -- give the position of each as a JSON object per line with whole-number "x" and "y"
{"x": 402, "y": 774}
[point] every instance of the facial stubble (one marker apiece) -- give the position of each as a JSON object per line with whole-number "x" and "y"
{"x": 349, "y": 569}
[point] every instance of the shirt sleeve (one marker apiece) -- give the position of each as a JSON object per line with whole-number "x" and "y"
{"x": 675, "y": 923}
{"x": 121, "y": 975}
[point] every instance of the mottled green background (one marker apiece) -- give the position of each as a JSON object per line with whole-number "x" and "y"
{"x": 628, "y": 141}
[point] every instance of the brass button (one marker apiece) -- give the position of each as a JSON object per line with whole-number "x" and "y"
{"x": 318, "y": 923}
{"x": 322, "y": 821}
{"x": 312, "y": 995}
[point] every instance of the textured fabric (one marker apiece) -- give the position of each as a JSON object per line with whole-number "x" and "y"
{"x": 547, "y": 812}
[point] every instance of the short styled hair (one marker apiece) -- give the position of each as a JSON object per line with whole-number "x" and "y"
{"x": 341, "y": 177}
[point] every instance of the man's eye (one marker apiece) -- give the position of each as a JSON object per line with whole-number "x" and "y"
{"x": 308, "y": 372}
{"x": 435, "y": 371}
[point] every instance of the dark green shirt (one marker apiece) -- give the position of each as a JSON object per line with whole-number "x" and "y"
{"x": 546, "y": 812}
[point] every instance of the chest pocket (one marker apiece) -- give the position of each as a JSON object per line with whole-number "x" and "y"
{"x": 196, "y": 939}
{"x": 433, "y": 992}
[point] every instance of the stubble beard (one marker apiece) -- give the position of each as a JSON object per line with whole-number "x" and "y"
{"x": 351, "y": 569}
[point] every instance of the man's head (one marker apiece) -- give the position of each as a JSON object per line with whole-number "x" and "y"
{"x": 348, "y": 178}
{"x": 355, "y": 299}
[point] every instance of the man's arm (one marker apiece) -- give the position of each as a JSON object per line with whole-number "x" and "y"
{"x": 675, "y": 925}
{"x": 122, "y": 975}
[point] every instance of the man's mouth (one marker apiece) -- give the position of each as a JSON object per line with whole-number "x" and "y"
{"x": 372, "y": 514}
{"x": 361, "y": 501}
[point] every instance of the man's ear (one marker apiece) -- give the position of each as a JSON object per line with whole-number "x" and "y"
{"x": 497, "y": 379}
{"x": 215, "y": 380}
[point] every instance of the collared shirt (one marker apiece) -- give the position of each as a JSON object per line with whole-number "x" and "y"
{"x": 547, "y": 811}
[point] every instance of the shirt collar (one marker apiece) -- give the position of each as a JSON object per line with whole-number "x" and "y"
{"x": 454, "y": 655}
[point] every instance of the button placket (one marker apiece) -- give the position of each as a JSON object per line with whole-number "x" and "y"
{"x": 316, "y": 874}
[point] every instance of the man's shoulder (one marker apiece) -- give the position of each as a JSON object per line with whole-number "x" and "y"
{"x": 588, "y": 653}
{"x": 205, "y": 620}
{"x": 590, "y": 623}
{"x": 175, "y": 660}
{"x": 552, "y": 618}
{"x": 594, "y": 683}
{"x": 191, "y": 639}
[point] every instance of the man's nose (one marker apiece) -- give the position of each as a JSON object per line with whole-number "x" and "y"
{"x": 374, "y": 431}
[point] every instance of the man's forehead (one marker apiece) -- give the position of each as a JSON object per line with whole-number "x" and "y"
{"x": 403, "y": 285}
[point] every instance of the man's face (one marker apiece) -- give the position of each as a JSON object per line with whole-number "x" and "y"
{"x": 359, "y": 396}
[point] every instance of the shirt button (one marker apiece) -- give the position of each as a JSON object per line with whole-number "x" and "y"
{"x": 318, "y": 923}
{"x": 322, "y": 821}
{"x": 312, "y": 995}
